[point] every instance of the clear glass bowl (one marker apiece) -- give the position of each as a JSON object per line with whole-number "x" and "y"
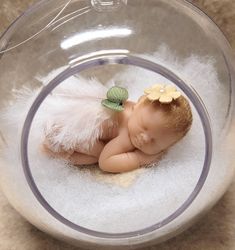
{"x": 173, "y": 40}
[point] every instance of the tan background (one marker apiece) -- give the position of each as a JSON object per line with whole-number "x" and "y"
{"x": 215, "y": 232}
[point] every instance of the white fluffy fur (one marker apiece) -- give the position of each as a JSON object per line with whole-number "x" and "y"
{"x": 77, "y": 114}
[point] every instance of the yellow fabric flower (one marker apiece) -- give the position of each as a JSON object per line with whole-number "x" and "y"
{"x": 163, "y": 93}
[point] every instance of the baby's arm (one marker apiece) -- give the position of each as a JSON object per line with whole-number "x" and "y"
{"x": 119, "y": 155}
{"x": 115, "y": 156}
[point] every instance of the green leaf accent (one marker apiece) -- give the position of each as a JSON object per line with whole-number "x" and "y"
{"x": 117, "y": 94}
{"x": 112, "y": 105}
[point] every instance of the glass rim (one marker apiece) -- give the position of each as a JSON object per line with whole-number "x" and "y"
{"x": 123, "y": 59}
{"x": 33, "y": 7}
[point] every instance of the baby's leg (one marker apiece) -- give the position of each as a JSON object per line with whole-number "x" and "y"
{"x": 72, "y": 157}
{"x": 94, "y": 150}
{"x": 77, "y": 156}
{"x": 82, "y": 159}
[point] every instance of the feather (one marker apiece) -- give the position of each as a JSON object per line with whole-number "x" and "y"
{"x": 77, "y": 114}
{"x": 71, "y": 115}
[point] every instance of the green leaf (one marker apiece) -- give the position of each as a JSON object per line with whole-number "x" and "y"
{"x": 117, "y": 94}
{"x": 112, "y": 105}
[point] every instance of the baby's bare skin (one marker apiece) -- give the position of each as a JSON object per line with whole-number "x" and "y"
{"x": 114, "y": 151}
{"x": 119, "y": 154}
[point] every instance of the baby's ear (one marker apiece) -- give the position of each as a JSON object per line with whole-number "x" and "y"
{"x": 140, "y": 100}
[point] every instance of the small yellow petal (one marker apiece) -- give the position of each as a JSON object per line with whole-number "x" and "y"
{"x": 165, "y": 99}
{"x": 155, "y": 87}
{"x": 148, "y": 90}
{"x": 158, "y": 87}
{"x": 154, "y": 96}
{"x": 170, "y": 88}
{"x": 163, "y": 93}
{"x": 175, "y": 95}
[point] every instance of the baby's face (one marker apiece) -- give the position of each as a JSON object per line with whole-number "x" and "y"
{"x": 148, "y": 131}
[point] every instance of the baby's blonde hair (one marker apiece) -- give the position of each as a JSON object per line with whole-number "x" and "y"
{"x": 178, "y": 113}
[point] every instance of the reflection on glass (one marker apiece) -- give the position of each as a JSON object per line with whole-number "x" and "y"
{"x": 93, "y": 35}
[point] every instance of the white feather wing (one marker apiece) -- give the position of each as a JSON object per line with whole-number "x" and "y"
{"x": 76, "y": 114}
{"x": 71, "y": 115}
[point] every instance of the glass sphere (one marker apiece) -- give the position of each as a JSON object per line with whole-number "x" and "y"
{"x": 135, "y": 43}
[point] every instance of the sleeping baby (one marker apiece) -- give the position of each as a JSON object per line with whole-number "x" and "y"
{"x": 127, "y": 136}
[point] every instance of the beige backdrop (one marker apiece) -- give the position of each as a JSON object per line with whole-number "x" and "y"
{"x": 215, "y": 232}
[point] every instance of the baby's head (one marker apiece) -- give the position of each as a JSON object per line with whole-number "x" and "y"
{"x": 155, "y": 126}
